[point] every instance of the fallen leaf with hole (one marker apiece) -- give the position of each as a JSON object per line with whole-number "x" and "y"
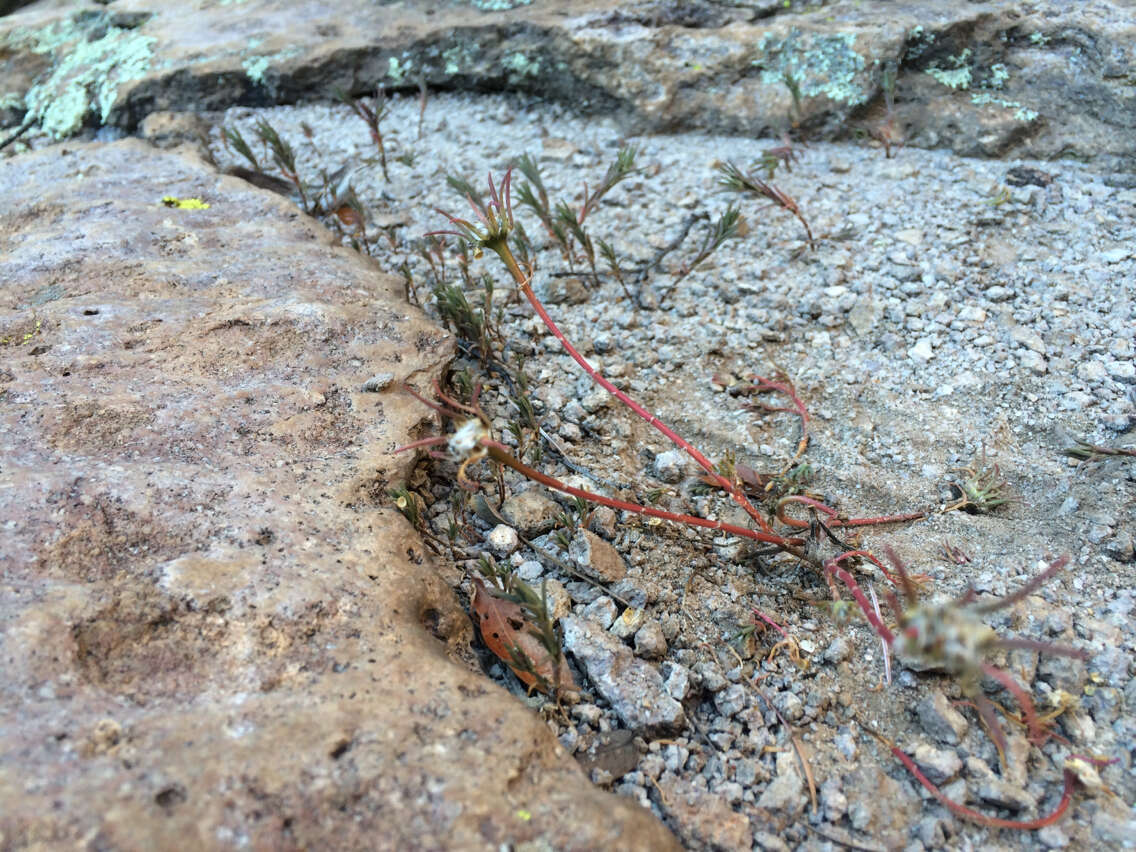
{"x": 508, "y": 635}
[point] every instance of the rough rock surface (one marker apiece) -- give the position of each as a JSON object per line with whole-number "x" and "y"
{"x": 1041, "y": 79}
{"x": 212, "y": 632}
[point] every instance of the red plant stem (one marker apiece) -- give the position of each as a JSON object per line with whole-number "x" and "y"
{"x": 498, "y": 453}
{"x": 770, "y": 622}
{"x": 833, "y": 566}
{"x": 423, "y": 442}
{"x": 798, "y": 407}
{"x": 832, "y": 513}
{"x": 981, "y": 818}
{"x": 729, "y": 486}
{"x": 1038, "y": 734}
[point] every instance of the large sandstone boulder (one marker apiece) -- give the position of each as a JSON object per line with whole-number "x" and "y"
{"x": 213, "y": 631}
{"x": 1040, "y": 79}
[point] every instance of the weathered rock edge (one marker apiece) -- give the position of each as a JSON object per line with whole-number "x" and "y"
{"x": 212, "y": 631}
{"x": 1044, "y": 79}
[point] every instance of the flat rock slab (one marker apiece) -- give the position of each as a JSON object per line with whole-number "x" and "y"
{"x": 982, "y": 78}
{"x": 213, "y": 632}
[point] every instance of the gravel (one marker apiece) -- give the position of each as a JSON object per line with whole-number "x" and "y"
{"x": 939, "y": 321}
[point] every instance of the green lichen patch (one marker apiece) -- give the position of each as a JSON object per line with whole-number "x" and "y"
{"x": 521, "y": 66}
{"x": 1021, "y": 113}
{"x": 396, "y": 70}
{"x": 819, "y": 64}
{"x": 86, "y": 72}
{"x": 256, "y": 65}
{"x": 956, "y": 77}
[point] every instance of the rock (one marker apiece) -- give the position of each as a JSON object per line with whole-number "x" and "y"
{"x": 532, "y": 512}
{"x": 922, "y": 351}
{"x": 833, "y": 800}
{"x": 786, "y": 792}
{"x": 632, "y": 687}
{"x": 731, "y": 700}
{"x": 790, "y": 705}
{"x": 964, "y": 86}
{"x": 650, "y": 643}
{"x": 1002, "y": 794}
{"x": 564, "y": 291}
{"x": 878, "y": 806}
{"x": 1067, "y": 673}
{"x": 710, "y": 676}
{"x": 940, "y": 719}
{"x": 632, "y": 593}
{"x": 679, "y": 683}
{"x": 1052, "y": 837}
{"x": 170, "y": 129}
{"x": 997, "y": 791}
{"x": 502, "y": 540}
{"x": 939, "y": 765}
{"x": 838, "y": 650}
{"x": 530, "y": 571}
{"x": 1113, "y": 826}
{"x": 613, "y": 752}
{"x": 596, "y": 558}
{"x": 559, "y": 601}
{"x": 670, "y": 466}
{"x": 604, "y": 522}
{"x": 628, "y": 624}
{"x": 602, "y": 611}
{"x": 703, "y": 819}
{"x": 205, "y": 592}
{"x": 378, "y": 383}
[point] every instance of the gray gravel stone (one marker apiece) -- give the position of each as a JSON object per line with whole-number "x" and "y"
{"x": 502, "y": 540}
{"x": 670, "y": 466}
{"x": 1065, "y": 673}
{"x": 710, "y": 676}
{"x": 940, "y": 765}
{"x": 940, "y": 719}
{"x": 532, "y": 512}
{"x": 838, "y": 650}
{"x": 378, "y": 382}
{"x": 704, "y": 819}
{"x": 786, "y": 792}
{"x": 731, "y": 700}
{"x": 790, "y": 705}
{"x": 833, "y": 800}
{"x": 679, "y": 680}
{"x": 632, "y": 687}
{"x": 604, "y": 521}
{"x": 650, "y": 643}
{"x": 602, "y": 611}
{"x": 628, "y": 623}
{"x": 596, "y": 557}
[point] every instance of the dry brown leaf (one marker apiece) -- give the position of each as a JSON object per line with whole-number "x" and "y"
{"x": 508, "y": 635}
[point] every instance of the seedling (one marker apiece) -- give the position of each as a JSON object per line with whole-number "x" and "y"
{"x": 284, "y": 158}
{"x": 565, "y": 223}
{"x": 726, "y": 228}
{"x": 1085, "y": 451}
{"x": 981, "y": 489}
{"x": 735, "y": 180}
{"x": 372, "y": 115}
{"x": 887, "y": 133}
